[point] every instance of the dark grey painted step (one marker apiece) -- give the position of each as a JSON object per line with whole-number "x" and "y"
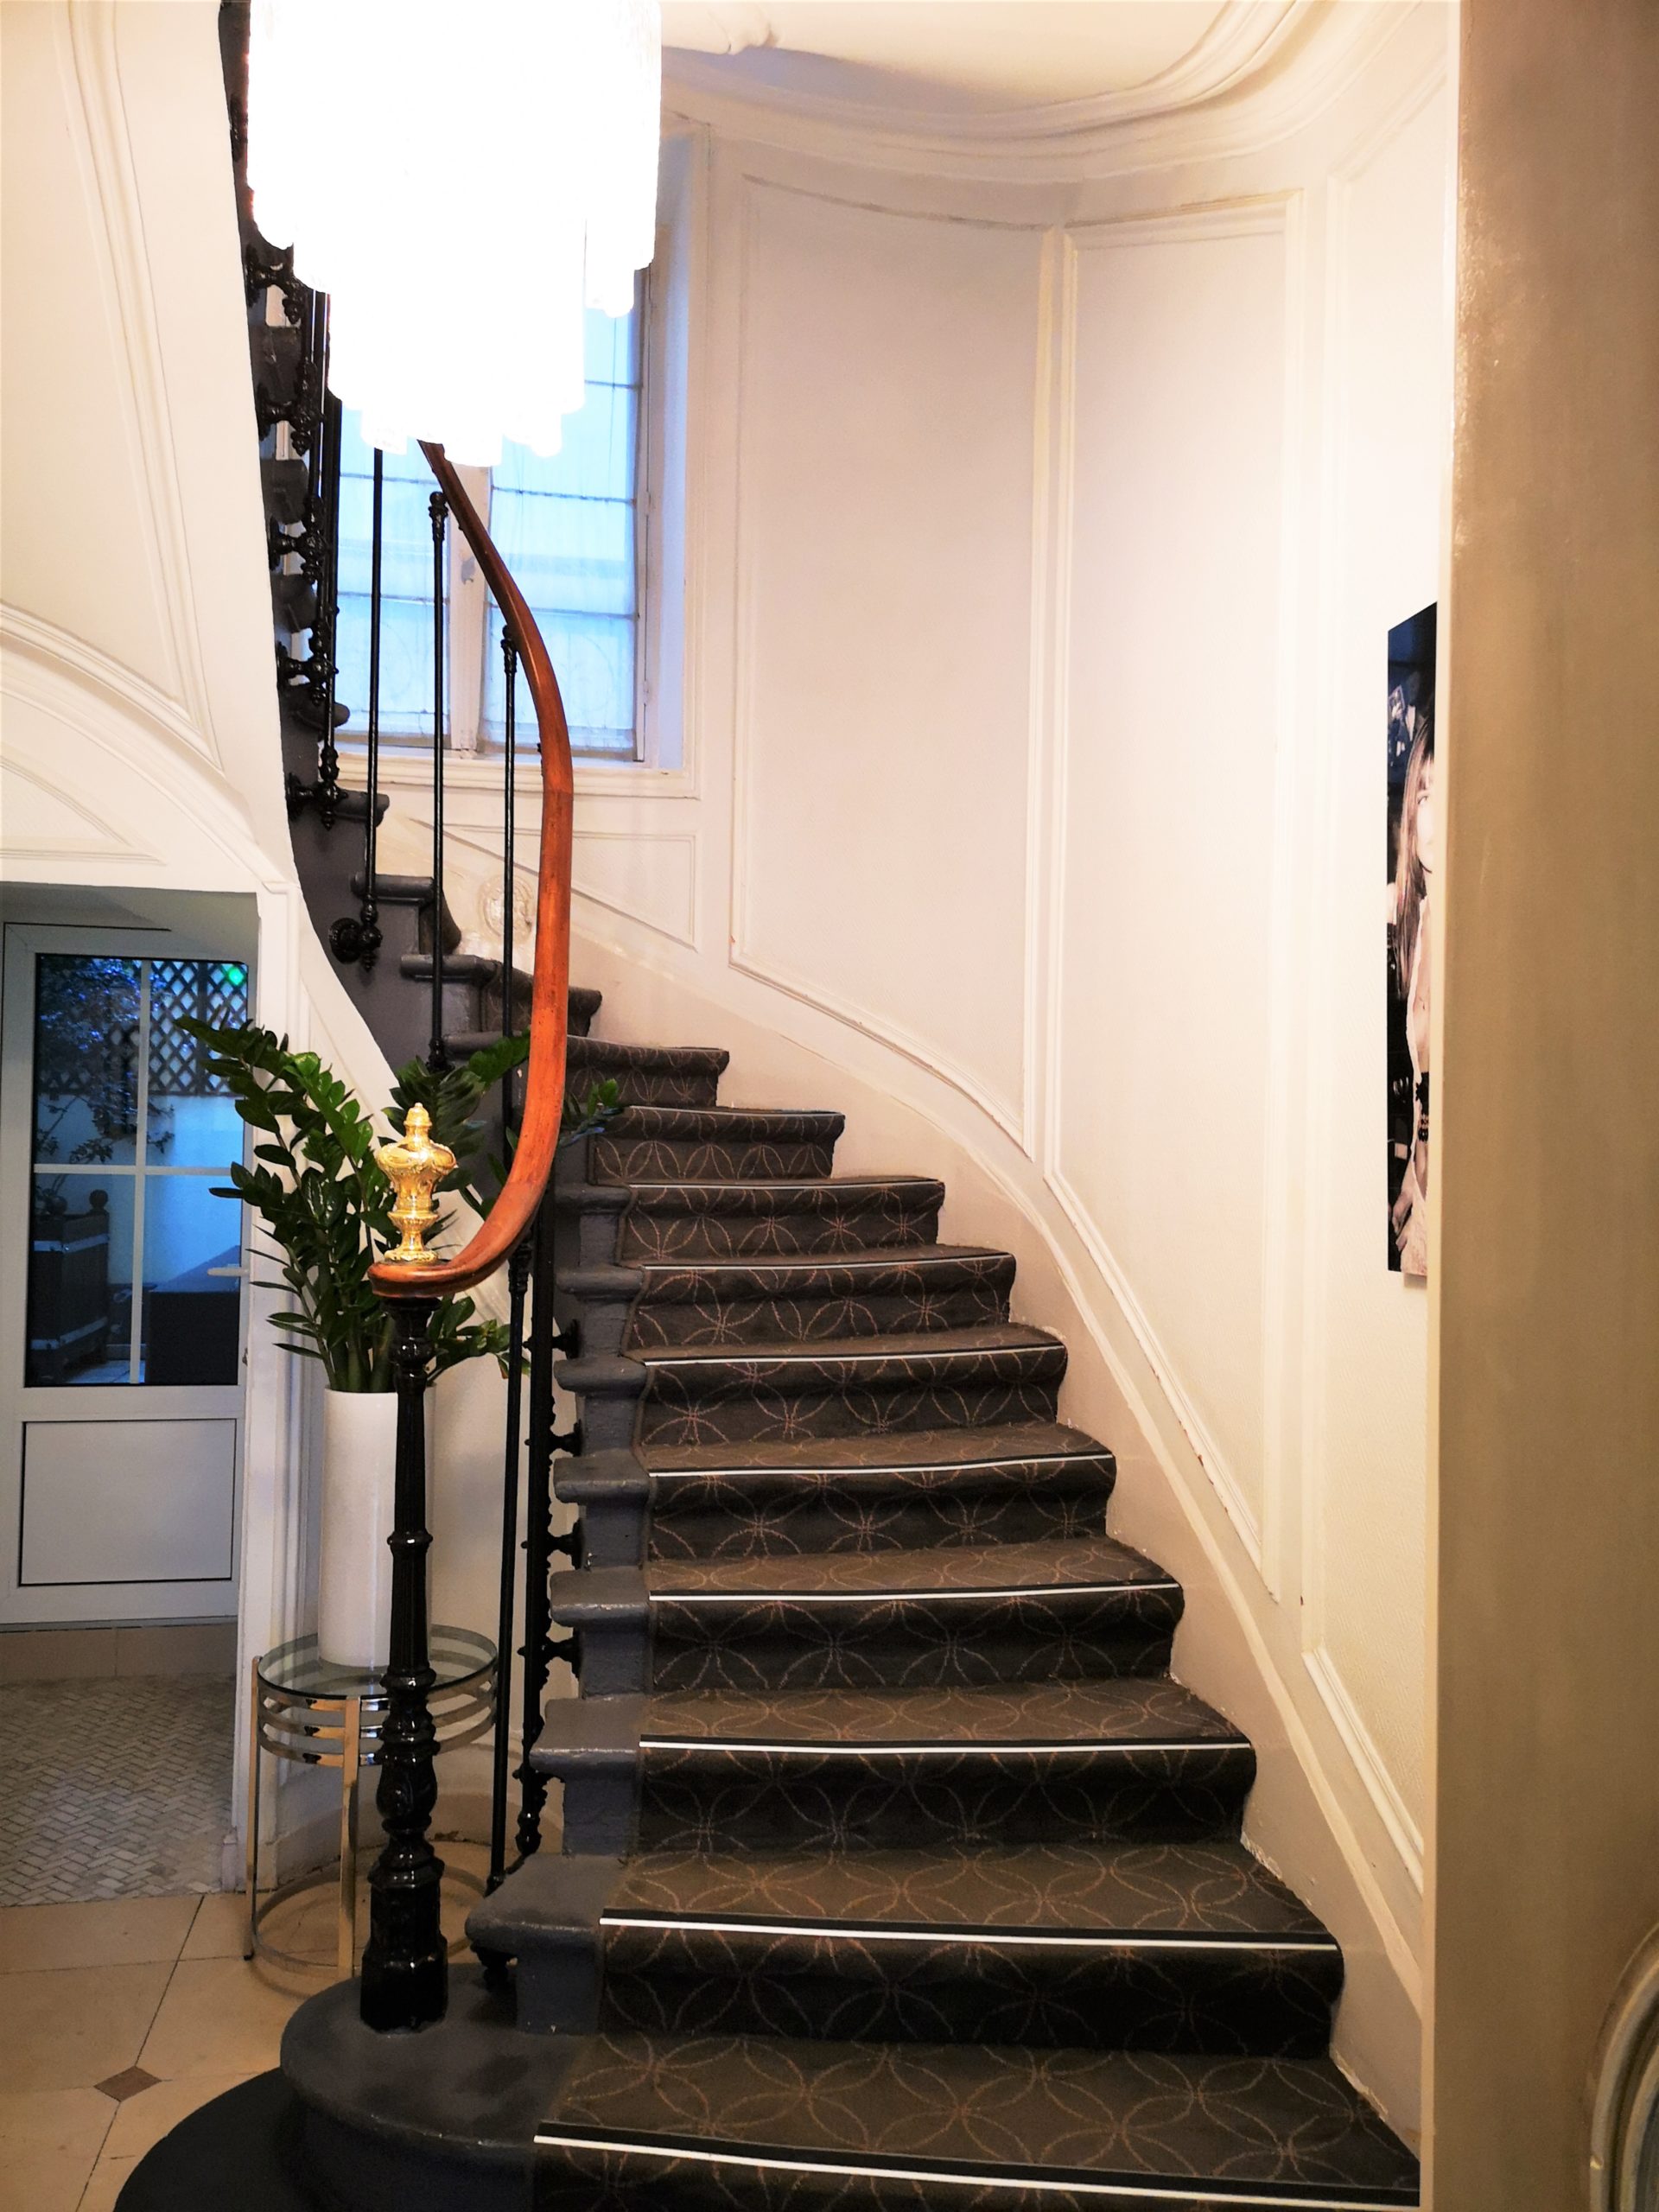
{"x": 958, "y": 1616}
{"x": 969, "y": 1378}
{"x": 446, "y": 2121}
{"x": 442, "y": 2120}
{"x": 849, "y": 1294}
{"x": 293, "y": 601}
{"x": 672, "y": 1221}
{"x": 276, "y": 354}
{"x": 283, "y": 484}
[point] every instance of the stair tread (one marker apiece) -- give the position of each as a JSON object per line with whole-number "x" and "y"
{"x": 1215, "y": 1890}
{"x": 723, "y": 1121}
{"x": 396, "y": 890}
{"x": 458, "y": 968}
{"x": 961, "y": 2111}
{"x": 948, "y": 1450}
{"x": 908, "y": 1351}
{"x": 1091, "y": 1562}
{"x": 1125, "y": 1711}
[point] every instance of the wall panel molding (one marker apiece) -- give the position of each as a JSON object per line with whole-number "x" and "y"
{"x": 1338, "y": 1695}
{"x": 1014, "y": 1116}
{"x": 1276, "y": 214}
{"x": 106, "y": 152}
{"x": 675, "y": 916}
{"x": 1256, "y": 81}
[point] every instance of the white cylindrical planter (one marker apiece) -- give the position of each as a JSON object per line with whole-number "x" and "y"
{"x": 360, "y": 1447}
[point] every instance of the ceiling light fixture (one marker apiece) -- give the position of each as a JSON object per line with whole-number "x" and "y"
{"x": 464, "y": 179}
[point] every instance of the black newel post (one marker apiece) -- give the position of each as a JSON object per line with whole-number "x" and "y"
{"x": 518, "y": 1283}
{"x": 405, "y": 1965}
{"x": 538, "y": 1511}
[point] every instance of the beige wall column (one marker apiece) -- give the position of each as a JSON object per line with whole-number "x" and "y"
{"x": 1549, "y": 1420}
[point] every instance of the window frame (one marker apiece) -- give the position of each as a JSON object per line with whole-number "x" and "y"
{"x": 468, "y": 601}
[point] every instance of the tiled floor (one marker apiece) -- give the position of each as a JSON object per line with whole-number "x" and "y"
{"x": 119, "y": 2018}
{"x": 118, "y": 1787}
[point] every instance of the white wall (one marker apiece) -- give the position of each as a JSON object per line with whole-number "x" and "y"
{"x": 138, "y": 735}
{"x": 1048, "y": 513}
{"x": 1045, "y": 516}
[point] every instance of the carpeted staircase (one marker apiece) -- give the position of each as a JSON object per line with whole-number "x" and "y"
{"x": 898, "y": 1872}
{"x": 897, "y": 1869}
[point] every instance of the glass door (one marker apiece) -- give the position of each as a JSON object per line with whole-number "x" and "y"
{"x": 120, "y": 1304}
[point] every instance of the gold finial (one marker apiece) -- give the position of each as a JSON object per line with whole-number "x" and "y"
{"x": 414, "y": 1165}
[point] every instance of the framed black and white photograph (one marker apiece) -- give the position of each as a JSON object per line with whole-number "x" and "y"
{"x": 1413, "y": 855}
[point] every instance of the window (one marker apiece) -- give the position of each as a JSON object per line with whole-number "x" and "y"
{"x": 567, "y": 528}
{"x": 134, "y": 1263}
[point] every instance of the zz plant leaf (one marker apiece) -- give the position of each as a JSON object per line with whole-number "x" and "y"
{"x": 326, "y": 1207}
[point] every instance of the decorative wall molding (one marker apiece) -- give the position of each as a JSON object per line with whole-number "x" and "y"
{"x": 28, "y": 638}
{"x": 1406, "y": 1835}
{"x": 106, "y": 151}
{"x": 77, "y": 833}
{"x": 100, "y": 704}
{"x": 1266, "y": 69}
{"x": 1052, "y": 428}
{"x": 1330, "y": 625}
{"x": 678, "y": 924}
{"x": 1009, "y": 1116}
{"x": 1238, "y": 42}
{"x": 1275, "y": 215}
{"x": 1205, "y": 1450}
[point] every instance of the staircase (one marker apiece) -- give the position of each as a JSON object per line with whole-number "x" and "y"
{"x": 897, "y": 1870}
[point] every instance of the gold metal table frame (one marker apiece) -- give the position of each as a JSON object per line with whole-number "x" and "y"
{"x": 302, "y": 1708}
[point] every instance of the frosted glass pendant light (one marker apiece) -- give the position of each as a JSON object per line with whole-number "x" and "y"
{"x": 463, "y": 178}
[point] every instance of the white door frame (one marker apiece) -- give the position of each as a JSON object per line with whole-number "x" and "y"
{"x": 23, "y": 1408}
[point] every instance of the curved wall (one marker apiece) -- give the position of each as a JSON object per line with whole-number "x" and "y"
{"x": 1045, "y": 532}
{"x": 139, "y": 747}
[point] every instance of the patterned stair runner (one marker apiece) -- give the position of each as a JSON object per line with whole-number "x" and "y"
{"x": 898, "y": 1871}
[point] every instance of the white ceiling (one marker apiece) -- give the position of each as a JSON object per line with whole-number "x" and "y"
{"x": 952, "y": 54}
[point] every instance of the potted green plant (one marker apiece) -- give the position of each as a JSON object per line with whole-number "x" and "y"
{"x": 325, "y": 1208}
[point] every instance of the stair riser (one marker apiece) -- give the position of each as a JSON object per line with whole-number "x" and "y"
{"x": 670, "y": 1418}
{"x": 726, "y": 1798}
{"x": 568, "y": 2179}
{"x": 845, "y": 1988}
{"x": 943, "y": 1645}
{"x": 652, "y": 1234}
{"x": 643, "y": 1086}
{"x": 959, "y": 1643}
{"x": 700, "y": 1160}
{"x": 712, "y": 1320}
{"x": 712, "y": 1520}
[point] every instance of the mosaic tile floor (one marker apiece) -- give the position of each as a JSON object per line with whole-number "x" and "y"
{"x": 115, "y": 1788}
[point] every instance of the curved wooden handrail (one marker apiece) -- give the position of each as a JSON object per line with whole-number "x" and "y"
{"x": 538, "y": 1133}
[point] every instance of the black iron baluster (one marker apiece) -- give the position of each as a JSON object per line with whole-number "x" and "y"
{"x": 438, "y": 507}
{"x": 509, "y": 881}
{"x": 359, "y": 939}
{"x": 518, "y": 1283}
{"x": 405, "y": 1965}
{"x": 538, "y": 1514}
{"x": 323, "y": 634}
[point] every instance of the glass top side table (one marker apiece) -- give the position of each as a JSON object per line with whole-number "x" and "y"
{"x": 300, "y": 1707}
